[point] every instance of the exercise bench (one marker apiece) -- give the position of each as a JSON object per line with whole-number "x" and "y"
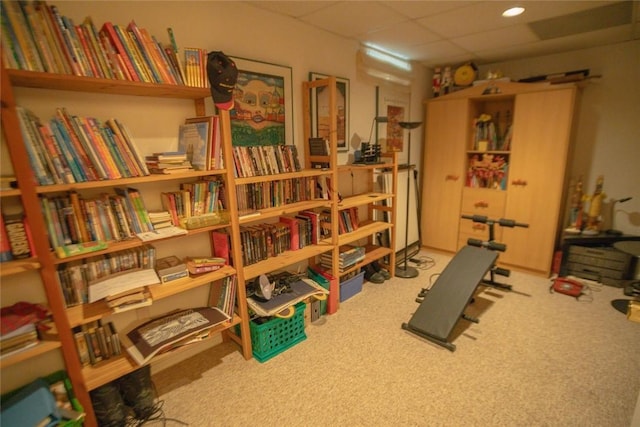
{"x": 443, "y": 305}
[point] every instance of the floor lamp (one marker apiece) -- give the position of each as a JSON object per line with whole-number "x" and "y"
{"x": 404, "y": 271}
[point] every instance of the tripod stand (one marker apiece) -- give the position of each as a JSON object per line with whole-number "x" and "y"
{"x": 491, "y": 244}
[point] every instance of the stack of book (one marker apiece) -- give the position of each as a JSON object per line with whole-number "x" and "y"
{"x": 205, "y": 265}
{"x": 265, "y": 160}
{"x": 38, "y": 37}
{"x": 168, "y": 162}
{"x": 349, "y": 256}
{"x": 18, "y": 340}
{"x": 171, "y": 268}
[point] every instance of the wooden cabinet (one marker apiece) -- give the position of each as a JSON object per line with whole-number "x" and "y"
{"x": 87, "y": 378}
{"x": 443, "y": 172}
{"x": 519, "y": 175}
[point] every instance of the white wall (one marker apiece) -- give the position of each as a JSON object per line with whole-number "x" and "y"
{"x": 607, "y": 136}
{"x": 244, "y": 31}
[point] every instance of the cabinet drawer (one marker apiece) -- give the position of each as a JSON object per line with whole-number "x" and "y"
{"x": 482, "y": 201}
{"x": 599, "y": 253}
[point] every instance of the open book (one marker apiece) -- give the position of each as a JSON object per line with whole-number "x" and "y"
{"x": 169, "y": 331}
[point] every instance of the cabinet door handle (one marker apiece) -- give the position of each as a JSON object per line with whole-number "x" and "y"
{"x": 481, "y": 204}
{"x": 451, "y": 177}
{"x": 521, "y": 182}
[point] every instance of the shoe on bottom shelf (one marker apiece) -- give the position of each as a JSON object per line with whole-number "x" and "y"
{"x": 372, "y": 275}
{"x": 108, "y": 406}
{"x": 381, "y": 271}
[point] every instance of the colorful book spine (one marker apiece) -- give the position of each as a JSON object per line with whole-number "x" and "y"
{"x": 17, "y": 236}
{"x": 109, "y": 30}
{"x": 5, "y": 246}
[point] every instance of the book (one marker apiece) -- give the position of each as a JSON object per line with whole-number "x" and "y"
{"x": 193, "y": 140}
{"x": 65, "y": 251}
{"x": 5, "y": 246}
{"x": 221, "y": 244}
{"x": 109, "y": 31}
{"x": 171, "y": 268}
{"x": 143, "y": 342}
{"x": 120, "y": 283}
{"x": 17, "y": 236}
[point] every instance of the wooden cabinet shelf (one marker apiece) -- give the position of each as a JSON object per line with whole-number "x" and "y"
{"x": 89, "y": 377}
{"x": 29, "y": 353}
{"x": 86, "y": 313}
{"x": 153, "y": 178}
{"x": 18, "y": 266}
{"x": 284, "y": 260}
{"x": 115, "y": 367}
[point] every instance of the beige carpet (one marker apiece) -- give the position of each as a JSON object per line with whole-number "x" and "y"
{"x": 535, "y": 359}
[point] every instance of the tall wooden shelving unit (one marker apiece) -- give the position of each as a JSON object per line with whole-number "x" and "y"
{"x": 88, "y": 378}
{"x": 373, "y": 200}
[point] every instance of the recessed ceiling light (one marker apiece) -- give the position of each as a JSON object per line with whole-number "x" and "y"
{"x": 514, "y": 11}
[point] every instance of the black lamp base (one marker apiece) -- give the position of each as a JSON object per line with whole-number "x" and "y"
{"x": 406, "y": 272}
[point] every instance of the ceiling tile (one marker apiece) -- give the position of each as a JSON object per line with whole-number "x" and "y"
{"x": 400, "y": 37}
{"x": 501, "y": 38}
{"x": 420, "y": 9}
{"x": 292, "y": 8}
{"x": 352, "y": 17}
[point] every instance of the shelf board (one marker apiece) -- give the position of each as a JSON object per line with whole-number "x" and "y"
{"x": 85, "y": 313}
{"x": 364, "y": 230}
{"x": 19, "y": 266}
{"x": 283, "y": 260}
{"x": 41, "y": 348}
{"x": 107, "y": 183}
{"x": 363, "y": 199}
{"x": 165, "y": 290}
{"x": 10, "y": 193}
{"x": 135, "y": 242}
{"x": 115, "y": 367}
{"x": 363, "y": 166}
{"x": 64, "y": 82}
{"x": 281, "y": 176}
{"x": 372, "y": 253}
{"x": 286, "y": 209}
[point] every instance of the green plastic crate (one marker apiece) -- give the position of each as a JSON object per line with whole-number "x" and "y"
{"x": 276, "y": 335}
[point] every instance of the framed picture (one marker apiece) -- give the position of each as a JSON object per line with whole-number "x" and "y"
{"x": 263, "y": 104}
{"x": 320, "y": 110}
{"x": 394, "y": 106}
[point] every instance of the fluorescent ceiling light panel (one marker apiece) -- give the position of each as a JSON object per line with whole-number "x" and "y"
{"x": 389, "y": 59}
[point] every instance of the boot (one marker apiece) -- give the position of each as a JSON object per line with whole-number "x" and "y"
{"x": 372, "y": 275}
{"x": 137, "y": 392}
{"x": 108, "y": 406}
{"x": 381, "y": 271}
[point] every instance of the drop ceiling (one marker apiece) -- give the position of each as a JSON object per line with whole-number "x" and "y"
{"x": 454, "y": 32}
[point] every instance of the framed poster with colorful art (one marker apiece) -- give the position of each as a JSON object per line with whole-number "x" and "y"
{"x": 394, "y": 106}
{"x": 320, "y": 110}
{"x": 263, "y": 104}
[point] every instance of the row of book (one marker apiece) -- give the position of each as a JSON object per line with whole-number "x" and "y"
{"x": 76, "y": 277}
{"x": 38, "y": 37}
{"x": 348, "y": 220}
{"x": 96, "y": 342}
{"x": 73, "y": 219}
{"x": 194, "y": 199}
{"x": 16, "y": 241}
{"x": 263, "y": 241}
{"x": 265, "y": 160}
{"x": 70, "y": 149}
{"x": 224, "y": 292}
{"x": 270, "y": 194}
